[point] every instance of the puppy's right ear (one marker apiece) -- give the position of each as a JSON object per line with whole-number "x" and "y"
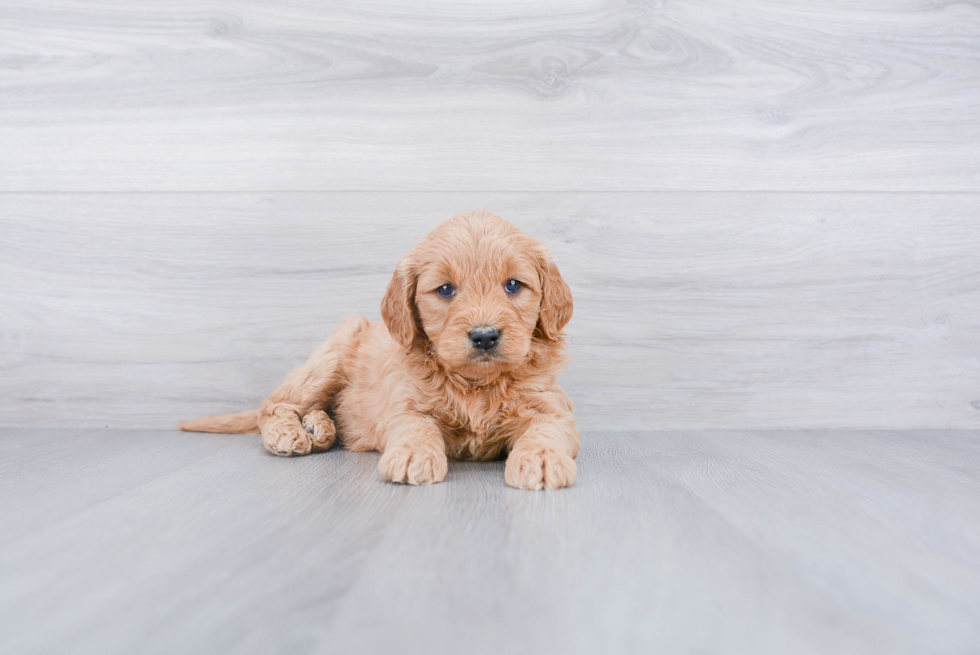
{"x": 398, "y": 305}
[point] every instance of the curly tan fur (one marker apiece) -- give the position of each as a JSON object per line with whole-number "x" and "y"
{"x": 416, "y": 388}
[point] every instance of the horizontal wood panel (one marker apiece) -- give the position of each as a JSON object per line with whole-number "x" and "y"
{"x": 691, "y": 309}
{"x": 587, "y": 95}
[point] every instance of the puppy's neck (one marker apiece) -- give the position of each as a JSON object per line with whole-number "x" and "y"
{"x": 491, "y": 379}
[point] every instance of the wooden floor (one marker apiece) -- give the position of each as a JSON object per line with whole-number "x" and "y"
{"x": 670, "y": 542}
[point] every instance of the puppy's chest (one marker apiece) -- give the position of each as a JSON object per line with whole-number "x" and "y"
{"x": 473, "y": 429}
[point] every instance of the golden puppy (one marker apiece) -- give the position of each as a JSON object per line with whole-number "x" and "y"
{"x": 463, "y": 367}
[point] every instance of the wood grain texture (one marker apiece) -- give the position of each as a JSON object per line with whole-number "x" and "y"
{"x": 380, "y": 95}
{"x": 768, "y": 212}
{"x": 691, "y": 310}
{"x": 709, "y": 541}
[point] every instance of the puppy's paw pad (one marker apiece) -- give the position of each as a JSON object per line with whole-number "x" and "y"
{"x": 413, "y": 466}
{"x": 539, "y": 469}
{"x": 287, "y": 440}
{"x": 321, "y": 429}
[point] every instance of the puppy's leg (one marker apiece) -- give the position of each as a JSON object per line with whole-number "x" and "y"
{"x": 543, "y": 456}
{"x": 292, "y": 419}
{"x": 414, "y": 451}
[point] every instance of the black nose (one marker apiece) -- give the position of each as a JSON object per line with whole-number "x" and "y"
{"x": 485, "y": 338}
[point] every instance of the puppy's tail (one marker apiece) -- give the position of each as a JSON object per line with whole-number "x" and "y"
{"x": 240, "y": 423}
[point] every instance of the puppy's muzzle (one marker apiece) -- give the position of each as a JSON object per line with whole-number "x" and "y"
{"x": 484, "y": 338}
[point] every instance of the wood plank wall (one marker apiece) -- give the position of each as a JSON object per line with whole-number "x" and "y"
{"x": 769, "y": 212}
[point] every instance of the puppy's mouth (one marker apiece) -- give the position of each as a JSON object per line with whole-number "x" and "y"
{"x": 486, "y": 357}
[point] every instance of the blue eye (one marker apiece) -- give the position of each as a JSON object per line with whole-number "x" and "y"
{"x": 446, "y": 291}
{"x": 512, "y": 286}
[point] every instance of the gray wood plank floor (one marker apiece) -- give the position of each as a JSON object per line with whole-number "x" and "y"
{"x": 712, "y": 541}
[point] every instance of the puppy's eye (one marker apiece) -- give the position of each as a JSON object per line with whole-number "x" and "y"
{"x": 446, "y": 291}
{"x": 512, "y": 286}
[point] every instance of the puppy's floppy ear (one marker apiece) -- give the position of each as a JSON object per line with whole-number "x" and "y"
{"x": 556, "y": 298}
{"x": 398, "y": 304}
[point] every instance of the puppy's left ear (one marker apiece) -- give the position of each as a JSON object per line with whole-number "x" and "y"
{"x": 398, "y": 304}
{"x": 556, "y": 298}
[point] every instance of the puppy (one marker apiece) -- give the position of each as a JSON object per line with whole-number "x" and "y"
{"x": 463, "y": 367}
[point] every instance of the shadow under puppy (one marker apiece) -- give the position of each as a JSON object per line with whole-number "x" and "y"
{"x": 463, "y": 367}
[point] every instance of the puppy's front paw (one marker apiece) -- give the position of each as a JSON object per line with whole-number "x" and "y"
{"x": 413, "y": 465}
{"x": 287, "y": 439}
{"x": 321, "y": 429}
{"x": 539, "y": 469}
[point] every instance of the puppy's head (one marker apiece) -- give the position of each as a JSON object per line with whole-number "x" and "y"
{"x": 479, "y": 291}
